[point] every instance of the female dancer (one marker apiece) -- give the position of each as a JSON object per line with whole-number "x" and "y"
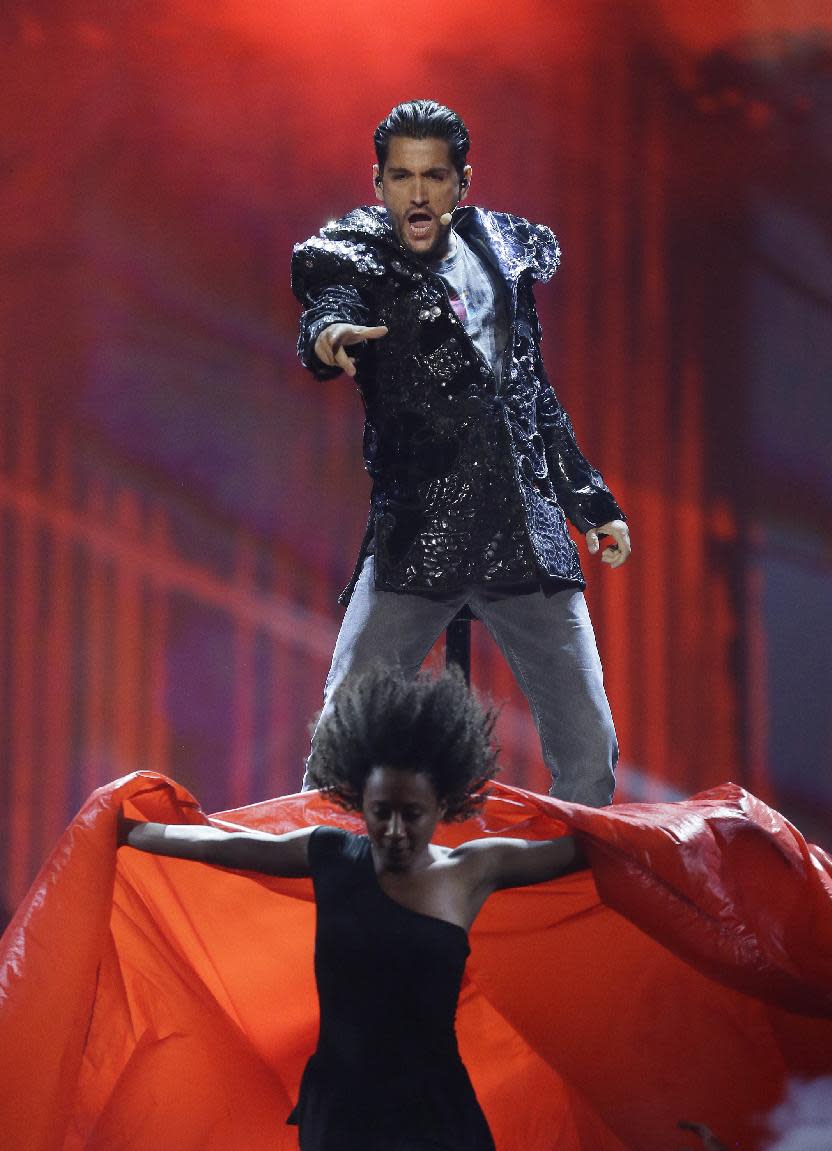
{"x": 393, "y": 910}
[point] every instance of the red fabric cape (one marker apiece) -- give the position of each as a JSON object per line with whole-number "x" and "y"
{"x": 150, "y": 1003}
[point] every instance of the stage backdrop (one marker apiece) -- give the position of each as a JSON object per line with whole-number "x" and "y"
{"x": 180, "y": 503}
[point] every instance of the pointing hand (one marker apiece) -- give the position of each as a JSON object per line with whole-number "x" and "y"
{"x": 331, "y": 344}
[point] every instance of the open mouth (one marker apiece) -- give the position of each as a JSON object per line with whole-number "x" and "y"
{"x": 419, "y": 225}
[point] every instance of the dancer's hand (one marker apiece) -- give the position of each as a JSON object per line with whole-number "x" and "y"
{"x": 123, "y": 828}
{"x": 331, "y": 344}
{"x": 618, "y": 551}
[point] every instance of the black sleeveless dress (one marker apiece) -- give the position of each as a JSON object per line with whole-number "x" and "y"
{"x": 386, "y": 1075}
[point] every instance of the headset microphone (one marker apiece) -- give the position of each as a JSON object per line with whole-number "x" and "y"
{"x": 445, "y": 218}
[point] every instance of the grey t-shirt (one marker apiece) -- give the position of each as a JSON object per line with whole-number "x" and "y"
{"x": 478, "y": 297}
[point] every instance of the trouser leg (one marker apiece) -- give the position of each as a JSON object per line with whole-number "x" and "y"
{"x": 550, "y": 646}
{"x": 384, "y": 628}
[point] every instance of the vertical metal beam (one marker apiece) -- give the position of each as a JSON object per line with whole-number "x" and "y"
{"x": 458, "y": 643}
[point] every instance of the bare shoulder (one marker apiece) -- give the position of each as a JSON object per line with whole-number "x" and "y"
{"x": 474, "y": 849}
{"x": 476, "y": 856}
{"x": 455, "y": 861}
{"x": 506, "y": 862}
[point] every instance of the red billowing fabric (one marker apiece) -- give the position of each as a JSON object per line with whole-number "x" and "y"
{"x": 152, "y": 1004}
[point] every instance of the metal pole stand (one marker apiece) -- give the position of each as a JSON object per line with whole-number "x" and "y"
{"x": 458, "y": 643}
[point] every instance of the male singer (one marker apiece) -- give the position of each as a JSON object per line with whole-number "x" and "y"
{"x": 429, "y": 307}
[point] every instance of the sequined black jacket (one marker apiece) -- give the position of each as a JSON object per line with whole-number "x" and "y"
{"x": 470, "y": 481}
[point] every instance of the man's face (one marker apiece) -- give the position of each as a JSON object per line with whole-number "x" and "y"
{"x": 419, "y": 183}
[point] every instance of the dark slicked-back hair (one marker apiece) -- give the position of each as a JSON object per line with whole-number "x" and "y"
{"x": 427, "y": 724}
{"x": 424, "y": 120}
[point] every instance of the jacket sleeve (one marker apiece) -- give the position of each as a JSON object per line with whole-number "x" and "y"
{"x": 580, "y": 488}
{"x": 324, "y": 282}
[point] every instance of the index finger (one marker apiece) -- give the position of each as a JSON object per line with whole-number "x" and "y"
{"x": 357, "y": 334}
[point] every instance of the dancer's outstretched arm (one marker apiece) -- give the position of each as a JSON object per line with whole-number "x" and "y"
{"x": 242, "y": 850}
{"x": 495, "y": 863}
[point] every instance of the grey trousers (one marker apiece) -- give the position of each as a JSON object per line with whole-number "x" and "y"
{"x": 550, "y": 647}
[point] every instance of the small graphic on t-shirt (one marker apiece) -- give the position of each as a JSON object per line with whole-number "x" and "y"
{"x": 458, "y": 305}
{"x": 478, "y": 300}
